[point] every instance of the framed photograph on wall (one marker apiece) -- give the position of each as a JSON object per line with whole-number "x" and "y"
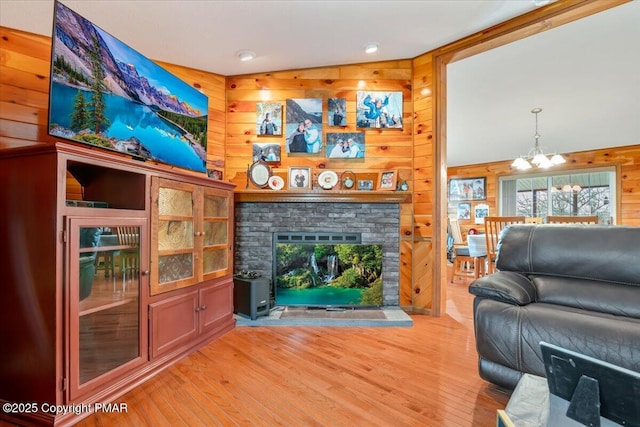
{"x": 337, "y": 108}
{"x": 299, "y": 178}
{"x": 267, "y": 152}
{"x": 464, "y": 211}
{"x": 387, "y": 180}
{"x": 379, "y": 110}
{"x": 268, "y": 119}
{"x": 467, "y": 189}
{"x": 345, "y": 145}
{"x": 479, "y": 212}
{"x": 304, "y": 125}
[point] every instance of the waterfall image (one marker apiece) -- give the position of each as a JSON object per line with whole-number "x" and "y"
{"x": 328, "y": 275}
{"x": 332, "y": 267}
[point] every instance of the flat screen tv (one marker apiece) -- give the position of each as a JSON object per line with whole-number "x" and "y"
{"x": 593, "y": 387}
{"x": 104, "y": 93}
{"x": 313, "y": 272}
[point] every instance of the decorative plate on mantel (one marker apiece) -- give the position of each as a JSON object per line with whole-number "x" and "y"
{"x": 327, "y": 180}
{"x": 276, "y": 182}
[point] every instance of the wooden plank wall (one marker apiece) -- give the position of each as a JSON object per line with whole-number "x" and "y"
{"x": 24, "y": 93}
{"x": 385, "y": 148}
{"x": 422, "y": 291}
{"x": 24, "y": 86}
{"x": 626, "y": 158}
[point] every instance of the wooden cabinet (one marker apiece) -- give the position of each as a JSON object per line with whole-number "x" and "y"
{"x": 191, "y": 246}
{"x": 179, "y": 320}
{"x": 191, "y": 234}
{"x": 79, "y": 241}
{"x": 107, "y": 332}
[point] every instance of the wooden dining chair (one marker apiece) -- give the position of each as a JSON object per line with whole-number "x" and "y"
{"x": 493, "y": 226}
{"x": 463, "y": 262}
{"x": 129, "y": 241}
{"x": 592, "y": 219}
{"x": 533, "y": 220}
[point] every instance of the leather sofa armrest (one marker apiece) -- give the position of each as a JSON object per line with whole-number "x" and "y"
{"x": 506, "y": 286}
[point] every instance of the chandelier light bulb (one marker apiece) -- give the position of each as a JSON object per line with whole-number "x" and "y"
{"x": 536, "y": 156}
{"x": 545, "y": 164}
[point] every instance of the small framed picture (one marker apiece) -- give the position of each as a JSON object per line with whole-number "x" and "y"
{"x": 214, "y": 174}
{"x": 268, "y": 119}
{"x": 387, "y": 180}
{"x": 464, "y": 210}
{"x": 365, "y": 184}
{"x": 481, "y": 211}
{"x": 337, "y": 108}
{"x": 269, "y": 152}
{"x": 299, "y": 178}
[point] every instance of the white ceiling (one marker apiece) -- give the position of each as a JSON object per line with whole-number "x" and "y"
{"x": 487, "y": 106}
{"x": 585, "y": 75}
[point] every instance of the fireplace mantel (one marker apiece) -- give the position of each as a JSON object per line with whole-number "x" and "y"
{"x": 331, "y": 196}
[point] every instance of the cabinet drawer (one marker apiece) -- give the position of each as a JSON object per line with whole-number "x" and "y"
{"x": 174, "y": 322}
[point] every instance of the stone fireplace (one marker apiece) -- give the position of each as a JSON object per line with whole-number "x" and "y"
{"x": 377, "y": 223}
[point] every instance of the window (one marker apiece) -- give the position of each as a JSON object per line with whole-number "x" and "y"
{"x": 571, "y": 193}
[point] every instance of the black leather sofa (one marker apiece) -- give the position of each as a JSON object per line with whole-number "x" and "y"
{"x": 576, "y": 286}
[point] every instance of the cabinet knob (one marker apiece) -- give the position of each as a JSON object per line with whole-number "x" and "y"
{"x": 204, "y": 307}
{"x": 197, "y": 309}
{"x": 145, "y": 272}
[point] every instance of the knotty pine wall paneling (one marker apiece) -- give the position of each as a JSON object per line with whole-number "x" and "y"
{"x": 627, "y": 160}
{"x": 24, "y": 93}
{"x": 384, "y": 148}
{"x": 423, "y": 292}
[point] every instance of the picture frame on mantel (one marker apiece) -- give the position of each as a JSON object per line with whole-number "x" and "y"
{"x": 299, "y": 178}
{"x": 387, "y": 180}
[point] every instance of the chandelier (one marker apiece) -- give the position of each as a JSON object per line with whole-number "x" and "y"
{"x": 536, "y": 156}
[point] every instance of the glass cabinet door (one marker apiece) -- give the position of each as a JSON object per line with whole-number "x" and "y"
{"x": 216, "y": 232}
{"x": 173, "y": 250}
{"x": 106, "y": 264}
{"x": 191, "y": 234}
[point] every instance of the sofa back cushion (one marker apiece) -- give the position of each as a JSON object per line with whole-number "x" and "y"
{"x": 593, "y": 252}
{"x": 593, "y": 295}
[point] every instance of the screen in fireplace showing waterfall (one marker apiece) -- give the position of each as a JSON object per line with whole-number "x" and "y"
{"x": 315, "y": 274}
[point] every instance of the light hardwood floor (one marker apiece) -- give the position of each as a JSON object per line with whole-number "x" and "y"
{"x": 425, "y": 375}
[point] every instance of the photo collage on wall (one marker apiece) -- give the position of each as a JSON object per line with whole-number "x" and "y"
{"x": 302, "y": 125}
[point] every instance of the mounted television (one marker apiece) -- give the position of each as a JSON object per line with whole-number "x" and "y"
{"x": 594, "y": 388}
{"x": 104, "y": 93}
{"x": 326, "y": 270}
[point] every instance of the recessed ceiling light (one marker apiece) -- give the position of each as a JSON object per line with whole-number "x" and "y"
{"x": 246, "y": 55}
{"x": 371, "y": 48}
